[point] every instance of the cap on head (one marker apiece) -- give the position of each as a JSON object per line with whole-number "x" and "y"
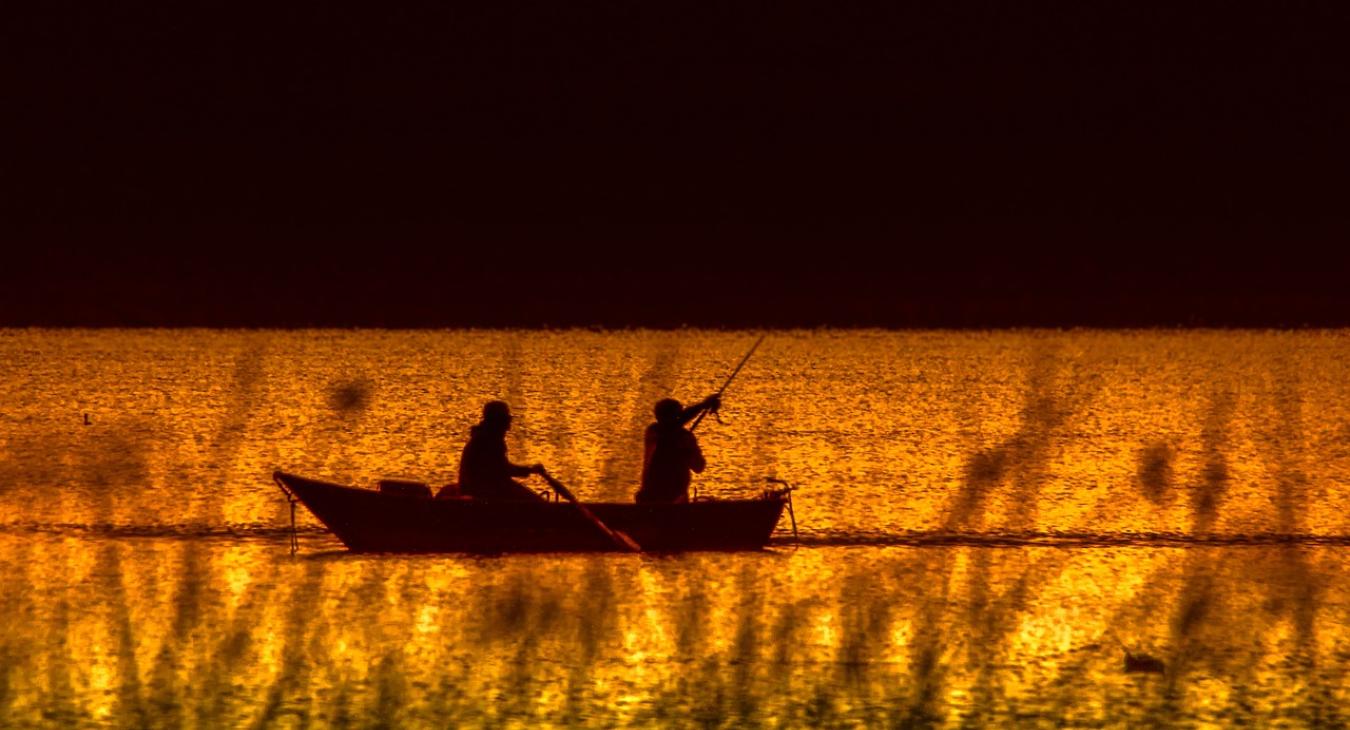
{"x": 497, "y": 412}
{"x": 668, "y": 410}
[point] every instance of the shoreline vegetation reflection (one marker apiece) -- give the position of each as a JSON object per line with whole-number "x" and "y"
{"x": 1007, "y": 528}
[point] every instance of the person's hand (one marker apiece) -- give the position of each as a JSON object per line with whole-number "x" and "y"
{"x": 713, "y": 402}
{"x": 539, "y": 469}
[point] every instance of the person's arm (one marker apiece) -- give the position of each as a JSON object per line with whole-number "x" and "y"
{"x": 712, "y": 402}
{"x": 512, "y": 469}
{"x": 696, "y": 461}
{"x": 520, "y": 470}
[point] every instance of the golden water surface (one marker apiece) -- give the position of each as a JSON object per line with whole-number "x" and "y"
{"x": 989, "y": 523}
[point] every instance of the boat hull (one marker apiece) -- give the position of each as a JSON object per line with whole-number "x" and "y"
{"x": 369, "y": 521}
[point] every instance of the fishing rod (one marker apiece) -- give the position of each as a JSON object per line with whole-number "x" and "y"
{"x": 730, "y": 378}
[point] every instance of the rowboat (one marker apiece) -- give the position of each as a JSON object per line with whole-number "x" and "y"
{"x": 411, "y": 521}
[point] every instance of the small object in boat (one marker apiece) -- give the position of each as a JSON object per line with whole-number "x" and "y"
{"x": 405, "y": 488}
{"x": 1143, "y": 663}
{"x": 86, "y": 419}
{"x": 451, "y": 491}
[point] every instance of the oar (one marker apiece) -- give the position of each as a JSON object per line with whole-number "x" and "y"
{"x": 620, "y": 540}
{"x": 730, "y": 378}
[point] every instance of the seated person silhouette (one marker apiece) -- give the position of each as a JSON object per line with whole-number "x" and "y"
{"x": 484, "y": 471}
{"x": 671, "y": 452}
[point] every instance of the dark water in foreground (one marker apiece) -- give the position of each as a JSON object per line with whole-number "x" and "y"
{"x": 987, "y": 519}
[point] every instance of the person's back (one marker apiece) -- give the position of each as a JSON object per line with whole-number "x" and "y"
{"x": 670, "y": 453}
{"x": 484, "y": 470}
{"x": 670, "y": 456}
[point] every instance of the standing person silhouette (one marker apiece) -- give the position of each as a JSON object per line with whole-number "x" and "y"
{"x": 484, "y": 471}
{"x": 671, "y": 453}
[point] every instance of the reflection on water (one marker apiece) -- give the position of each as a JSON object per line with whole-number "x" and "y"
{"x": 990, "y": 523}
{"x": 151, "y": 634}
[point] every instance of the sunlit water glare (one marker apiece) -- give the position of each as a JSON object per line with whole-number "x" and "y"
{"x": 989, "y": 523}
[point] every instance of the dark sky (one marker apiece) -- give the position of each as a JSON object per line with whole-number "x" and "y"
{"x": 952, "y": 162}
